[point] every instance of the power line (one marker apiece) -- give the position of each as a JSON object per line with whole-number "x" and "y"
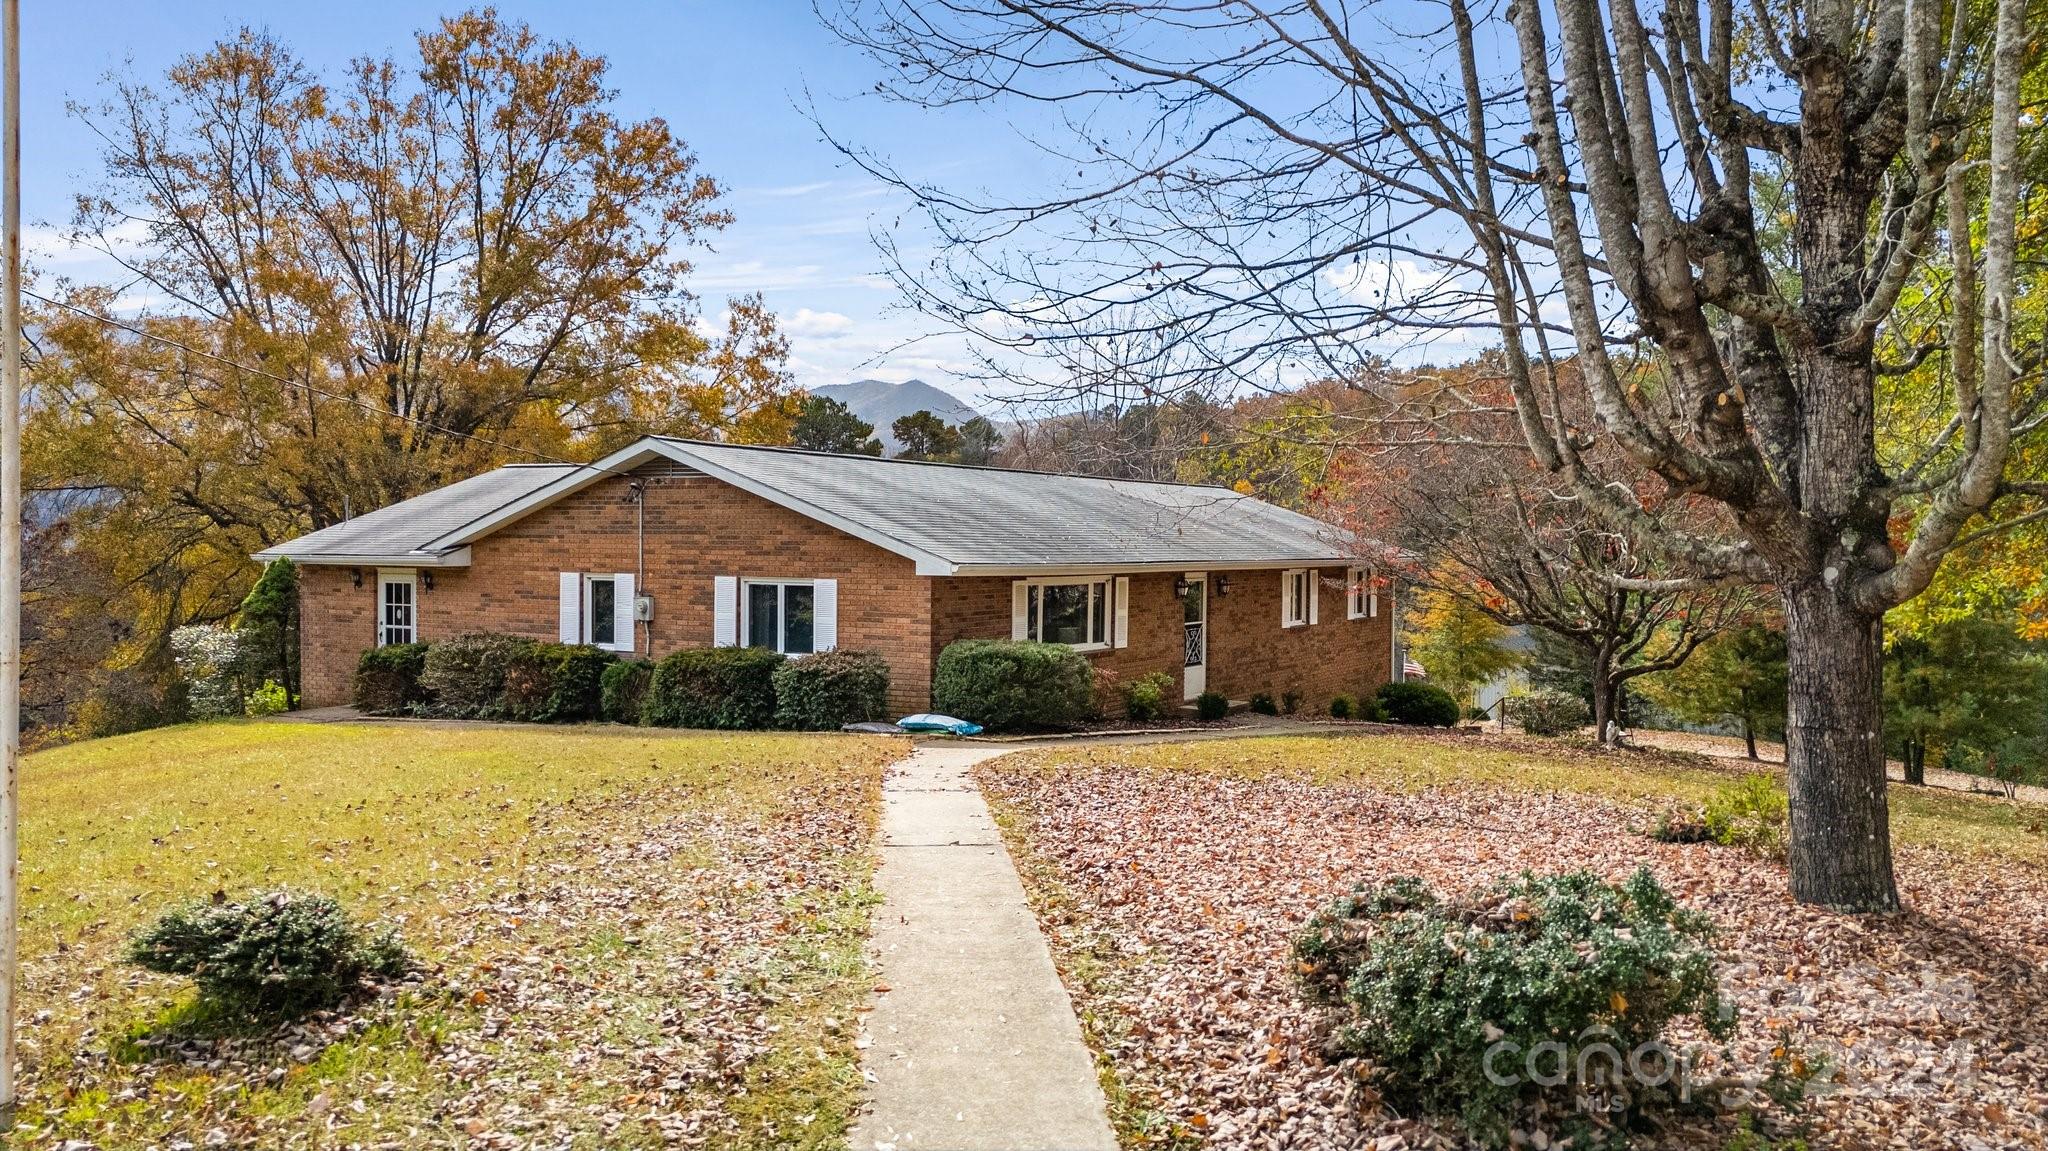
{"x": 314, "y": 389}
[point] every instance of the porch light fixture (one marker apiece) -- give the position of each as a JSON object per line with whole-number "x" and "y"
{"x": 355, "y": 576}
{"x": 426, "y": 581}
{"x": 1182, "y": 587}
{"x": 1222, "y": 585}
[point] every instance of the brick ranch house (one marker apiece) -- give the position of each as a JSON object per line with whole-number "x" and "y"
{"x": 669, "y": 544}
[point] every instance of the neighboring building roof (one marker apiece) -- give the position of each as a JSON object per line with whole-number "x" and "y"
{"x": 951, "y": 519}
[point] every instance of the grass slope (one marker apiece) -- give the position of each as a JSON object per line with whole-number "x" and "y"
{"x": 631, "y": 936}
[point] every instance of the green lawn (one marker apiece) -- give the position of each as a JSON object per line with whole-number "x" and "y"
{"x": 629, "y": 936}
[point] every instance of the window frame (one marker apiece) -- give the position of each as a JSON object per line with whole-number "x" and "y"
{"x": 409, "y": 579}
{"x": 1102, "y": 610}
{"x": 1294, "y": 596}
{"x": 1362, "y": 594}
{"x": 590, "y": 579}
{"x": 745, "y": 620}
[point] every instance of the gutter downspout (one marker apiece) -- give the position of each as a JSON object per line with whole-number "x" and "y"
{"x": 640, "y": 565}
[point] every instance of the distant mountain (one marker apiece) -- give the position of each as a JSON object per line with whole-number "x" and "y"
{"x": 882, "y": 403}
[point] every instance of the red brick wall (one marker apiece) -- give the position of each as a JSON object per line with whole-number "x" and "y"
{"x": 697, "y": 529}
{"x": 1248, "y": 649}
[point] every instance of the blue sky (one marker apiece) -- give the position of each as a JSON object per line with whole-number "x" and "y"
{"x": 728, "y": 76}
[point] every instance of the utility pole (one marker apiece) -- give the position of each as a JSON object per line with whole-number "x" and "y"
{"x": 10, "y": 539}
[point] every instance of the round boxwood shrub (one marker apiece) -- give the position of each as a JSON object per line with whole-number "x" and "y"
{"x": 1421, "y": 704}
{"x": 272, "y": 956}
{"x": 623, "y": 690}
{"x": 1547, "y": 711}
{"x": 1343, "y": 707}
{"x": 825, "y": 691}
{"x": 466, "y": 674}
{"x": 715, "y": 687}
{"x": 1006, "y": 684}
{"x": 387, "y": 679}
{"x": 1211, "y": 706}
{"x": 1437, "y": 994}
{"x": 1262, "y": 704}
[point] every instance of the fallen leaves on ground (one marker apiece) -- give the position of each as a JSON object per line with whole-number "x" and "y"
{"x": 1172, "y": 896}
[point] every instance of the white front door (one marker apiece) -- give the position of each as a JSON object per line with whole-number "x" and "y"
{"x": 1195, "y": 616}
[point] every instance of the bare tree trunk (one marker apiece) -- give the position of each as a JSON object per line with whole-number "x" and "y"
{"x": 1834, "y": 753}
{"x": 1916, "y": 763}
{"x": 1605, "y": 689}
{"x": 1749, "y": 735}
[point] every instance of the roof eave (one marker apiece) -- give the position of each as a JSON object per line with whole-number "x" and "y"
{"x": 1189, "y": 565}
{"x": 452, "y": 558}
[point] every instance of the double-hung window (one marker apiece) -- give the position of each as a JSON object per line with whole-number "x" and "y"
{"x": 1362, "y": 599}
{"x": 781, "y": 615}
{"x": 601, "y": 610}
{"x": 1297, "y": 597}
{"x": 1075, "y": 614}
{"x": 397, "y": 608}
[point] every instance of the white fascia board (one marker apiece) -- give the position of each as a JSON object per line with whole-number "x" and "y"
{"x": 1134, "y": 568}
{"x": 453, "y": 558}
{"x": 654, "y": 447}
{"x": 625, "y": 459}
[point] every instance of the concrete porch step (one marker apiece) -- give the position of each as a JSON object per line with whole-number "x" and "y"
{"x": 1237, "y": 707}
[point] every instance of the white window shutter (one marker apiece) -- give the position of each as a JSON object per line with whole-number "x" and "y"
{"x": 1286, "y": 598}
{"x": 624, "y": 637}
{"x": 824, "y": 614}
{"x": 571, "y": 617}
{"x": 1020, "y": 621}
{"x": 1372, "y": 593}
{"x": 1123, "y": 611}
{"x": 725, "y": 611}
{"x": 1315, "y": 589}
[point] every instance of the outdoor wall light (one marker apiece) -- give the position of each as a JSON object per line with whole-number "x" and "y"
{"x": 426, "y": 581}
{"x": 355, "y": 576}
{"x": 1182, "y": 587}
{"x": 1222, "y": 585}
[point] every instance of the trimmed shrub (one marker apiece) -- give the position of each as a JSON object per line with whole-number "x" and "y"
{"x": 1006, "y": 684}
{"x": 467, "y": 674}
{"x": 827, "y": 690}
{"x": 1343, "y": 707}
{"x": 1433, "y": 990}
{"x": 1418, "y": 704}
{"x": 623, "y": 690}
{"x": 1546, "y": 711}
{"x": 388, "y": 678}
{"x": 270, "y": 699}
{"x": 555, "y": 682}
{"x": 1211, "y": 706}
{"x": 1145, "y": 697}
{"x": 273, "y": 956}
{"x": 731, "y": 688}
{"x": 1262, "y": 704}
{"x": 1290, "y": 702}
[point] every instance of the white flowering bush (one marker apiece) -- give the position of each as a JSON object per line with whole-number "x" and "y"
{"x": 208, "y": 656}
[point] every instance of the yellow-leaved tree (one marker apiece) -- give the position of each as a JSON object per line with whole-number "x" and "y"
{"x": 338, "y": 292}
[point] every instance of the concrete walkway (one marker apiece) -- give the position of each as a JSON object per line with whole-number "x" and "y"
{"x": 974, "y": 1044}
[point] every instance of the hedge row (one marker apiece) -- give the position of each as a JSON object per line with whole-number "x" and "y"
{"x": 489, "y": 676}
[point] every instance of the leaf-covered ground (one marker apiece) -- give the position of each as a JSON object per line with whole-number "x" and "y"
{"x": 631, "y": 938}
{"x": 1172, "y": 878}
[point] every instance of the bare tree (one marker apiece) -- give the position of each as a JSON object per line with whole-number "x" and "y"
{"x": 1286, "y": 184}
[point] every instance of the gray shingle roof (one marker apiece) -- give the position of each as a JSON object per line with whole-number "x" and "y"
{"x": 407, "y": 526}
{"x": 947, "y": 517}
{"x": 991, "y": 517}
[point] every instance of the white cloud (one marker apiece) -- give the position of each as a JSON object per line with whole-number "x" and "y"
{"x": 807, "y": 324}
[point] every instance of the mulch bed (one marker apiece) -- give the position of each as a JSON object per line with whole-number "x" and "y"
{"x": 1171, "y": 898}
